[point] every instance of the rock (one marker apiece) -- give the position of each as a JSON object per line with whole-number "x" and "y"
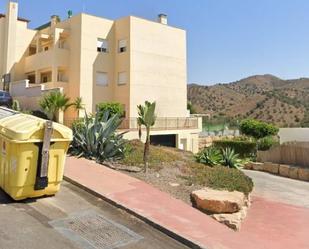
{"x": 157, "y": 175}
{"x": 173, "y": 184}
{"x": 232, "y": 220}
{"x": 248, "y": 166}
{"x": 303, "y": 174}
{"x": 284, "y": 170}
{"x": 293, "y": 172}
{"x": 271, "y": 168}
{"x": 216, "y": 202}
{"x": 257, "y": 166}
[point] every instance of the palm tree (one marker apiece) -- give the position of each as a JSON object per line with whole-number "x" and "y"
{"x": 54, "y": 103}
{"x": 147, "y": 118}
{"x": 139, "y": 126}
{"x": 78, "y": 105}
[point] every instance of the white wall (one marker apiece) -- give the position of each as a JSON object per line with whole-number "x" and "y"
{"x": 294, "y": 134}
{"x": 29, "y": 96}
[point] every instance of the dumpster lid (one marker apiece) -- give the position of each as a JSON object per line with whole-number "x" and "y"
{"x": 23, "y": 127}
{"x": 5, "y": 112}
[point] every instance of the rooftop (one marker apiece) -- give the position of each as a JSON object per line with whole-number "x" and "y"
{"x": 19, "y": 18}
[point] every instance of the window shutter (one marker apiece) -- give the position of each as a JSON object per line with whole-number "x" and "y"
{"x": 122, "y": 78}
{"x": 122, "y": 43}
{"x": 101, "y": 79}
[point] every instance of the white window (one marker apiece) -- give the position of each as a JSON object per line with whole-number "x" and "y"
{"x": 101, "y": 79}
{"x": 122, "y": 46}
{"x": 102, "y": 45}
{"x": 122, "y": 78}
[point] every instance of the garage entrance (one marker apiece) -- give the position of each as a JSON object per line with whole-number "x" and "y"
{"x": 164, "y": 140}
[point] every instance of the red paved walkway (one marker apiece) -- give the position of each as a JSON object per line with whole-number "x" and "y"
{"x": 269, "y": 225}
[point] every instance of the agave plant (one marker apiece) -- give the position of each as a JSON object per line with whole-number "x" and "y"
{"x": 209, "y": 156}
{"x": 96, "y": 138}
{"x": 230, "y": 158}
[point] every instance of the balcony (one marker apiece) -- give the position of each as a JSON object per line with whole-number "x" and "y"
{"x": 50, "y": 85}
{"x": 164, "y": 124}
{"x": 46, "y": 59}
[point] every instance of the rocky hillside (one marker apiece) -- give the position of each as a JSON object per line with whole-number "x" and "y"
{"x": 264, "y": 97}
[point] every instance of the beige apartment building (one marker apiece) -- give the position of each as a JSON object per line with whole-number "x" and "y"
{"x": 128, "y": 60}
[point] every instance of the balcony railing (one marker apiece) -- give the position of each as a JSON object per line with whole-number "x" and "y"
{"x": 45, "y": 59}
{"x": 163, "y": 124}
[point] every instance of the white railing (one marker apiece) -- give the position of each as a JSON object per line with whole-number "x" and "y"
{"x": 163, "y": 124}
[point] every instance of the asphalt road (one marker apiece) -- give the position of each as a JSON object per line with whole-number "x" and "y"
{"x": 74, "y": 219}
{"x": 281, "y": 189}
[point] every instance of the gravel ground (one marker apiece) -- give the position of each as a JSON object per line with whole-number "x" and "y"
{"x": 168, "y": 179}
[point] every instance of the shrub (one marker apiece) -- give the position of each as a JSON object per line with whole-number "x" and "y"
{"x": 230, "y": 158}
{"x": 266, "y": 143}
{"x": 113, "y": 108}
{"x": 257, "y": 129}
{"x": 39, "y": 114}
{"x": 210, "y": 156}
{"x": 97, "y": 139}
{"x": 239, "y": 145}
{"x": 220, "y": 177}
{"x": 16, "y": 105}
{"x": 191, "y": 108}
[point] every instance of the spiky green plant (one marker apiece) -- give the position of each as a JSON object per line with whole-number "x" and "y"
{"x": 96, "y": 138}
{"x": 54, "y": 102}
{"x": 230, "y": 158}
{"x": 147, "y": 117}
{"x": 210, "y": 156}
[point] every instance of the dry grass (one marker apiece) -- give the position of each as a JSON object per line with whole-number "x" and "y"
{"x": 172, "y": 165}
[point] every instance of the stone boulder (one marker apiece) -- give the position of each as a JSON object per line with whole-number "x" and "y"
{"x": 258, "y": 166}
{"x": 303, "y": 174}
{"x": 218, "y": 202}
{"x": 293, "y": 172}
{"x": 232, "y": 220}
{"x": 284, "y": 170}
{"x": 272, "y": 168}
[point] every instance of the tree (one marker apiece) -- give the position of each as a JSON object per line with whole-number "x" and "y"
{"x": 147, "y": 118}
{"x": 191, "y": 108}
{"x": 112, "y": 107}
{"x": 257, "y": 129}
{"x": 54, "y": 103}
{"x": 78, "y": 104}
{"x": 139, "y": 125}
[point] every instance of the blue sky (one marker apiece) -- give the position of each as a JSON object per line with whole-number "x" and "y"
{"x": 227, "y": 39}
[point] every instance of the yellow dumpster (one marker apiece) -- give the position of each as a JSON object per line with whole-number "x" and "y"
{"x": 32, "y": 154}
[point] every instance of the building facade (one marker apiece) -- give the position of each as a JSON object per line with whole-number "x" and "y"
{"x": 128, "y": 60}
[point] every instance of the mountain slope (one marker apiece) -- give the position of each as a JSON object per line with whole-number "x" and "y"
{"x": 264, "y": 97}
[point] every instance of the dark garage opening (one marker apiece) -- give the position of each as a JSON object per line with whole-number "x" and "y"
{"x": 164, "y": 140}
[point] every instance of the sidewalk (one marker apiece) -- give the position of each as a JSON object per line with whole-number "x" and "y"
{"x": 268, "y": 224}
